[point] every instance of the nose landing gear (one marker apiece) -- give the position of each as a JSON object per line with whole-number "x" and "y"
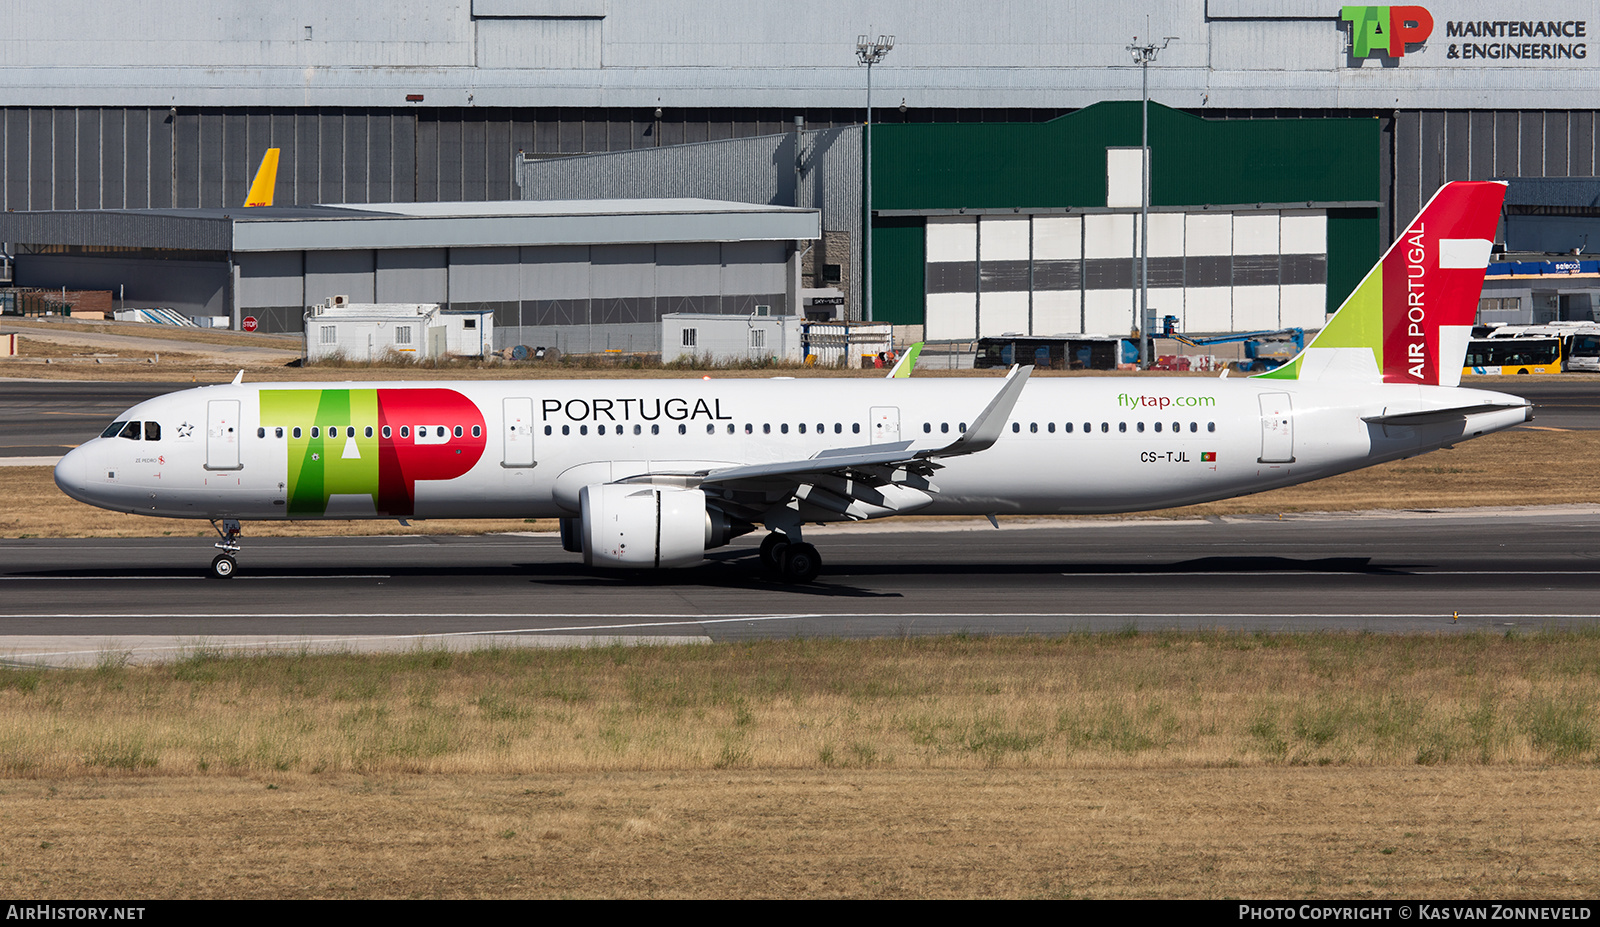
{"x": 223, "y": 566}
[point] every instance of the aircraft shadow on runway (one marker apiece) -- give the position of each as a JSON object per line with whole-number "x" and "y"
{"x": 739, "y": 570}
{"x": 1219, "y": 565}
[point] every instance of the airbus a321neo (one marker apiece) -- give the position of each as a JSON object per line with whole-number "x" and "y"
{"x": 652, "y": 474}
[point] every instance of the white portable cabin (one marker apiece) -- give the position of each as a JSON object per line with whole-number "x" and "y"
{"x": 729, "y": 338}
{"x": 368, "y": 331}
{"x": 467, "y": 332}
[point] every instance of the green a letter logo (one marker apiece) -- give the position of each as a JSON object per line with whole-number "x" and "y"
{"x": 1386, "y": 29}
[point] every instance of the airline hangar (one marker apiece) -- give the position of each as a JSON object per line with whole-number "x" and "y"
{"x": 1291, "y": 139}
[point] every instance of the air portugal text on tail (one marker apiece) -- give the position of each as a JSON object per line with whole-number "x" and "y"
{"x": 1414, "y": 310}
{"x": 653, "y": 473}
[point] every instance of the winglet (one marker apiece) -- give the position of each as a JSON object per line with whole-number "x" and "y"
{"x": 266, "y": 182}
{"x": 985, "y": 431}
{"x": 237, "y": 378}
{"x": 902, "y": 367}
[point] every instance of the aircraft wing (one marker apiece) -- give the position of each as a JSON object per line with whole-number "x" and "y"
{"x": 862, "y": 473}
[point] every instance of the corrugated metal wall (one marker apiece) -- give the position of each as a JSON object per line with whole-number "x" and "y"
{"x": 1434, "y": 146}
{"x": 150, "y": 157}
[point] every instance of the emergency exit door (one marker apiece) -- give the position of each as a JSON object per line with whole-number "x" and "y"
{"x": 222, "y": 434}
{"x": 1277, "y": 429}
{"x": 518, "y": 432}
{"x": 885, "y": 424}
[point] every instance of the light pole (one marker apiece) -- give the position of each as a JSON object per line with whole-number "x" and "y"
{"x": 1143, "y": 55}
{"x": 868, "y": 52}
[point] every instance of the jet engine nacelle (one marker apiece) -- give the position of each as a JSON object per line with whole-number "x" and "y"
{"x": 645, "y": 526}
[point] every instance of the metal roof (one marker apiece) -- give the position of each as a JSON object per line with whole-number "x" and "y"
{"x": 415, "y": 225}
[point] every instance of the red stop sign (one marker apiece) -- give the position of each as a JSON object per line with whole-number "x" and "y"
{"x": 249, "y": 323}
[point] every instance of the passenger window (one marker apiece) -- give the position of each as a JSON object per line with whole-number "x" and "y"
{"x": 477, "y": 431}
{"x": 944, "y": 428}
{"x": 1122, "y": 427}
{"x": 655, "y": 429}
{"x": 440, "y": 432}
{"x": 1193, "y": 427}
{"x": 261, "y": 432}
{"x": 405, "y": 431}
{"x": 582, "y": 430}
{"x": 963, "y": 427}
{"x": 766, "y": 429}
{"x": 838, "y": 428}
{"x": 1067, "y": 428}
{"x": 855, "y": 428}
{"x": 131, "y": 431}
{"x": 1051, "y": 427}
{"x": 1211, "y": 426}
{"x": 548, "y": 429}
{"x": 389, "y": 433}
{"x": 350, "y": 432}
{"x": 683, "y": 429}
{"x": 638, "y": 430}
{"x": 113, "y": 429}
{"x": 1139, "y": 428}
{"x": 784, "y": 428}
{"x": 1016, "y": 427}
{"x": 566, "y": 429}
{"x": 1033, "y": 427}
{"x": 277, "y": 432}
{"x": 711, "y": 429}
{"x": 368, "y": 431}
{"x": 1105, "y": 427}
{"x": 748, "y": 428}
{"x": 1158, "y": 427}
{"x": 802, "y": 427}
{"x": 457, "y": 431}
{"x": 297, "y": 431}
{"x": 152, "y": 431}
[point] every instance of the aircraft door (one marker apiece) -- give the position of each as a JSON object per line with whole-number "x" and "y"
{"x": 1277, "y": 429}
{"x": 517, "y": 428}
{"x": 885, "y": 424}
{"x": 222, "y": 434}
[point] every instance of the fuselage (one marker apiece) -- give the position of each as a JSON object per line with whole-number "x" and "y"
{"x": 525, "y": 449}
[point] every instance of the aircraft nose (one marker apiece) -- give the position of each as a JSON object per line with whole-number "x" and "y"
{"x": 72, "y": 474}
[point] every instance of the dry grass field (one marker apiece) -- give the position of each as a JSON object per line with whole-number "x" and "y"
{"x": 1113, "y": 766}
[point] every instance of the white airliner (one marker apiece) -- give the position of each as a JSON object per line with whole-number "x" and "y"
{"x": 651, "y": 474}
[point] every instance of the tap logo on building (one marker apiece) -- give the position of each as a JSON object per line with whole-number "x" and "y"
{"x": 1386, "y": 29}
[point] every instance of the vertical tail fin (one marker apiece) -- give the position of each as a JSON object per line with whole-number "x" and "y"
{"x": 261, "y": 189}
{"x": 1411, "y": 318}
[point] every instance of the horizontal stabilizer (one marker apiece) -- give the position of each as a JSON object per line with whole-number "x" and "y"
{"x": 1435, "y": 416}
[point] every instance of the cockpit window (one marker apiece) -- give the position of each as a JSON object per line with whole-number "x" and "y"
{"x": 152, "y": 431}
{"x": 112, "y": 430}
{"x": 131, "y": 431}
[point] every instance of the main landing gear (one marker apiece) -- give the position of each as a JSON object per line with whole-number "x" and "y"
{"x": 793, "y": 563}
{"x": 223, "y": 566}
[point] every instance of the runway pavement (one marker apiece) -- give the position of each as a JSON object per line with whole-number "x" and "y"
{"x": 69, "y": 601}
